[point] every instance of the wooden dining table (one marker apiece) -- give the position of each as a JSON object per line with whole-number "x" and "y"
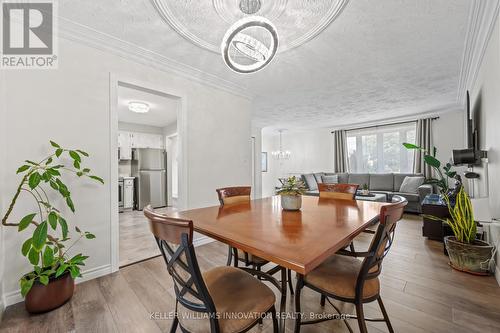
{"x": 297, "y": 240}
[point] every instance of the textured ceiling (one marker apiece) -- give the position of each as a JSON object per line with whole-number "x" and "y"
{"x": 162, "y": 112}
{"x": 377, "y": 59}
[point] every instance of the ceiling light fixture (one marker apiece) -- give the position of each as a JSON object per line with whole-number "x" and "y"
{"x": 251, "y": 43}
{"x": 281, "y": 154}
{"x": 138, "y": 107}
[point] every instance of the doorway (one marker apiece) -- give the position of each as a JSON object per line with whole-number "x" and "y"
{"x": 148, "y": 127}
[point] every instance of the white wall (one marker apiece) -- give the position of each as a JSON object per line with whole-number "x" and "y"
{"x": 71, "y": 106}
{"x": 3, "y": 140}
{"x": 485, "y": 100}
{"x": 257, "y": 190}
{"x": 140, "y": 128}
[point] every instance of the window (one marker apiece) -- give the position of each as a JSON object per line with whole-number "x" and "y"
{"x": 379, "y": 149}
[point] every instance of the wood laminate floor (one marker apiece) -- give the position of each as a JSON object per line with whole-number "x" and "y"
{"x": 420, "y": 291}
{"x": 136, "y": 240}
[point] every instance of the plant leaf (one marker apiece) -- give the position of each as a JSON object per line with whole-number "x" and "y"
{"x": 77, "y": 229}
{"x": 70, "y": 204}
{"x": 49, "y": 160}
{"x": 25, "y": 221}
{"x": 83, "y": 152}
{"x": 75, "y": 271}
{"x": 99, "y": 179}
{"x": 26, "y": 286}
{"x": 40, "y": 236}
{"x": 53, "y": 220}
{"x": 23, "y": 168}
{"x": 432, "y": 161}
{"x": 26, "y": 247}
{"x": 55, "y": 145}
{"x": 44, "y": 279}
{"x": 88, "y": 235}
{"x": 64, "y": 226}
{"x": 48, "y": 256}
{"x": 61, "y": 269}
{"x": 76, "y": 164}
{"x": 411, "y": 146}
{"x": 59, "y": 151}
{"x": 34, "y": 256}
{"x": 75, "y": 156}
{"x": 54, "y": 185}
{"x": 34, "y": 180}
{"x": 53, "y": 172}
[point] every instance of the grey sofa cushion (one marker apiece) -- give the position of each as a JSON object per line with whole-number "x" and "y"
{"x": 343, "y": 177}
{"x": 382, "y": 182}
{"x": 359, "y": 178}
{"x": 334, "y": 179}
{"x": 318, "y": 176}
{"x": 411, "y": 184}
{"x": 310, "y": 181}
{"x": 399, "y": 177}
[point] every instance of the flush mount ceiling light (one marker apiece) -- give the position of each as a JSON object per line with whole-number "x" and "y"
{"x": 250, "y": 44}
{"x": 138, "y": 107}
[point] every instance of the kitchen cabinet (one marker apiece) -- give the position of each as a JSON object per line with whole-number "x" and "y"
{"x": 129, "y": 140}
{"x": 125, "y": 145}
{"x": 128, "y": 193}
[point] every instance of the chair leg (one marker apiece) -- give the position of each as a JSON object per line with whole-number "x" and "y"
{"x": 173, "y": 328}
{"x": 235, "y": 257}
{"x": 229, "y": 256}
{"x": 298, "y": 289}
{"x": 384, "y": 312}
{"x": 323, "y": 300}
{"x": 275, "y": 320}
{"x": 290, "y": 284}
{"x": 351, "y": 247}
{"x": 361, "y": 318}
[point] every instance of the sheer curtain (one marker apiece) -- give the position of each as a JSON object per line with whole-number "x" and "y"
{"x": 340, "y": 151}
{"x": 423, "y": 139}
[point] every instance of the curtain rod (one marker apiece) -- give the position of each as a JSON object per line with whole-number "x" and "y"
{"x": 388, "y": 124}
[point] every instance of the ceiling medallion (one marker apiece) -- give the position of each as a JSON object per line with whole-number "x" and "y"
{"x": 250, "y": 44}
{"x": 205, "y": 22}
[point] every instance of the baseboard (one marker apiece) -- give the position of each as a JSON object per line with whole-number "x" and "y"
{"x": 202, "y": 241}
{"x": 14, "y": 297}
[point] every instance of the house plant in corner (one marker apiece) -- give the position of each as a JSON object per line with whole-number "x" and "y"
{"x": 466, "y": 252}
{"x": 48, "y": 245}
{"x": 291, "y": 193}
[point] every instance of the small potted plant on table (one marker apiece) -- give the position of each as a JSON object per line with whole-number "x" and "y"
{"x": 291, "y": 193}
{"x": 365, "y": 190}
{"x": 50, "y": 284}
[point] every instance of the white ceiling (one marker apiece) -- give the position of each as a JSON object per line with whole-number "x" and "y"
{"x": 163, "y": 109}
{"x": 378, "y": 59}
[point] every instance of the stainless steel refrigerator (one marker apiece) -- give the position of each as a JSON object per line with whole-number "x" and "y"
{"x": 149, "y": 170}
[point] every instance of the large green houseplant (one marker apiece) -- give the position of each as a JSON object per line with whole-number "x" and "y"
{"x": 291, "y": 193}
{"x": 51, "y": 281}
{"x": 466, "y": 252}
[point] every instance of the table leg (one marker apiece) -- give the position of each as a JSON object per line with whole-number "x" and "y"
{"x": 283, "y": 299}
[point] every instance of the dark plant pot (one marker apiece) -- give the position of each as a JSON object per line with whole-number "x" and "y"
{"x": 45, "y": 298}
{"x": 471, "y": 258}
{"x": 291, "y": 202}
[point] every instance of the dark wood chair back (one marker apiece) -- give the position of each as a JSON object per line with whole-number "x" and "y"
{"x": 233, "y": 195}
{"x": 175, "y": 241}
{"x": 338, "y": 191}
{"x": 381, "y": 242}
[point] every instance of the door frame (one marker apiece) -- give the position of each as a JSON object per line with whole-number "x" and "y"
{"x": 114, "y": 81}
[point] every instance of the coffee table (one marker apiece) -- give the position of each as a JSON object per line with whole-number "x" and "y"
{"x": 377, "y": 197}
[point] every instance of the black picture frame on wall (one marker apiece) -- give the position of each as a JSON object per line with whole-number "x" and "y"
{"x": 264, "y": 161}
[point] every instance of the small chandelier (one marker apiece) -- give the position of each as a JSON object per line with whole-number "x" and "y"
{"x": 281, "y": 154}
{"x": 251, "y": 43}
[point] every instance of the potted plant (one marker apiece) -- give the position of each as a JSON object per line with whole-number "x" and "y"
{"x": 51, "y": 281}
{"x": 466, "y": 252}
{"x": 291, "y": 193}
{"x": 365, "y": 190}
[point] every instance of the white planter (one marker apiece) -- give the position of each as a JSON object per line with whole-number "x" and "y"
{"x": 291, "y": 202}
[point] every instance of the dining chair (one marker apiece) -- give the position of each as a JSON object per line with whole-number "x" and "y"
{"x": 337, "y": 191}
{"x": 239, "y": 195}
{"x": 223, "y": 299}
{"x": 345, "y": 278}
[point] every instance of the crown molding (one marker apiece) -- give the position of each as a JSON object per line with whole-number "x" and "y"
{"x": 481, "y": 22}
{"x": 93, "y": 38}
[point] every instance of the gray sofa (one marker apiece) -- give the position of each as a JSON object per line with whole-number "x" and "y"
{"x": 387, "y": 183}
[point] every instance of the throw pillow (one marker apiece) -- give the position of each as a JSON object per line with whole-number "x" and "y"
{"x": 411, "y": 184}
{"x": 310, "y": 182}
{"x": 330, "y": 179}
